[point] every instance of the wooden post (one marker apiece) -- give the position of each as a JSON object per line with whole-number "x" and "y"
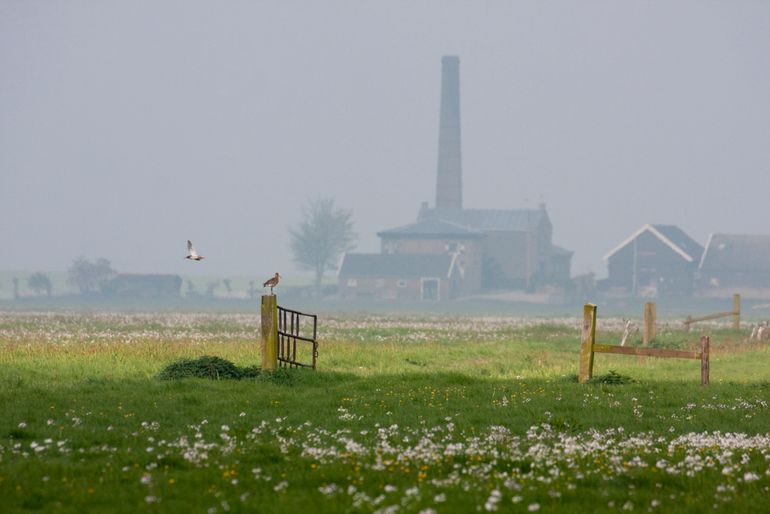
{"x": 736, "y": 311}
{"x": 269, "y": 332}
{"x": 687, "y": 323}
{"x": 654, "y": 326}
{"x": 704, "y": 360}
{"x": 649, "y": 323}
{"x": 587, "y": 340}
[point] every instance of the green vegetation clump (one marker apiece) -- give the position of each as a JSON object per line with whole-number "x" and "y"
{"x": 613, "y": 378}
{"x": 208, "y": 366}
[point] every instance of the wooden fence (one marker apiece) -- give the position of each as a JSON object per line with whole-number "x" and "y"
{"x": 735, "y": 313}
{"x": 588, "y": 347}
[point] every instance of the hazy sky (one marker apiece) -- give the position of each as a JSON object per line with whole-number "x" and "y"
{"x": 128, "y": 127}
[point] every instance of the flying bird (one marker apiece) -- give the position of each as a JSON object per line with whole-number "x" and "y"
{"x": 191, "y": 253}
{"x": 272, "y": 282}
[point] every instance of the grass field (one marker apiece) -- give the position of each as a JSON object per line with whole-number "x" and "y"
{"x": 405, "y": 414}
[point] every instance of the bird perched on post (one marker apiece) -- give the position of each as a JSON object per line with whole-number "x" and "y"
{"x": 191, "y": 253}
{"x": 272, "y": 282}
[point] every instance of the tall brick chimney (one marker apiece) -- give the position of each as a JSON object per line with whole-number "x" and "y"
{"x": 449, "y": 184}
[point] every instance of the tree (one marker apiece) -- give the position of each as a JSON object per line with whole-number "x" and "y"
{"x": 39, "y": 283}
{"x": 323, "y": 234}
{"x": 89, "y": 276}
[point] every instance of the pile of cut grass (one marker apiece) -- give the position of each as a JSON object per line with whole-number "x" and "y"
{"x": 208, "y": 366}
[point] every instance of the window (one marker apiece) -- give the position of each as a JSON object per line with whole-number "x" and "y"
{"x": 352, "y": 282}
{"x": 390, "y": 246}
{"x": 451, "y": 247}
{"x": 429, "y": 289}
{"x": 402, "y": 283}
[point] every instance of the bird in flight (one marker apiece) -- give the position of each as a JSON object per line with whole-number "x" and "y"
{"x": 191, "y": 253}
{"x": 272, "y": 282}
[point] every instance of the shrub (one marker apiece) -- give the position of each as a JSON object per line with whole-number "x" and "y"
{"x": 208, "y": 366}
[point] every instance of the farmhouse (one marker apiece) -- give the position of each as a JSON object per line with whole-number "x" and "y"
{"x": 656, "y": 260}
{"x": 488, "y": 248}
{"x": 144, "y": 285}
{"x": 735, "y": 263}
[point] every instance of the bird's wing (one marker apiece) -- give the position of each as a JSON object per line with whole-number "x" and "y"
{"x": 190, "y": 249}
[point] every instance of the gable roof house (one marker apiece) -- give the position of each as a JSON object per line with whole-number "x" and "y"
{"x": 656, "y": 260}
{"x": 735, "y": 263}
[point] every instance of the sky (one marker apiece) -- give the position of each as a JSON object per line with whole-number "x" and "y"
{"x": 128, "y": 127}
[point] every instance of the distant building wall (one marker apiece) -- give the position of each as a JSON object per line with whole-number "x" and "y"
{"x": 719, "y": 284}
{"x": 559, "y": 271}
{"x": 469, "y": 258}
{"x": 510, "y": 261}
{"x": 410, "y": 289}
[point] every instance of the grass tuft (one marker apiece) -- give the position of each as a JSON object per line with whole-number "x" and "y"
{"x": 611, "y": 378}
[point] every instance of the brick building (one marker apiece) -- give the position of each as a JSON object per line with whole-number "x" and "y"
{"x": 473, "y": 250}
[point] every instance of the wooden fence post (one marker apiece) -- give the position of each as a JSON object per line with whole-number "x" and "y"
{"x": 649, "y": 323}
{"x": 269, "y": 332}
{"x": 736, "y": 311}
{"x": 587, "y": 339}
{"x": 687, "y": 323}
{"x": 704, "y": 360}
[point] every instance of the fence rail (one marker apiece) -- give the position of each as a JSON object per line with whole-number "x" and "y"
{"x": 735, "y": 313}
{"x": 589, "y": 346}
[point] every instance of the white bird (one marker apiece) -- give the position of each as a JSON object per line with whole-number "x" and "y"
{"x": 191, "y": 253}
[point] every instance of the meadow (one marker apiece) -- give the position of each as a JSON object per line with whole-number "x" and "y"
{"x": 422, "y": 413}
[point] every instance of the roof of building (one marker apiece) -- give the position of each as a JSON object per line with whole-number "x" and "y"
{"x": 670, "y": 235}
{"x": 560, "y": 251}
{"x": 384, "y": 265}
{"x": 489, "y": 219}
{"x": 737, "y": 252}
{"x": 434, "y": 227}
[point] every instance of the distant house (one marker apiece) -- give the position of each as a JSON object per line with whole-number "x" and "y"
{"x": 145, "y": 286}
{"x": 384, "y": 276}
{"x": 735, "y": 263}
{"x": 654, "y": 260}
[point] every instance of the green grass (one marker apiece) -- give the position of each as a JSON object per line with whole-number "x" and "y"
{"x": 488, "y": 415}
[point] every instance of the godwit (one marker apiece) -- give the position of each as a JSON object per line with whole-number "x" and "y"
{"x": 272, "y": 282}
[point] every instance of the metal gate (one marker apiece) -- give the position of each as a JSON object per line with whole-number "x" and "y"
{"x": 294, "y": 328}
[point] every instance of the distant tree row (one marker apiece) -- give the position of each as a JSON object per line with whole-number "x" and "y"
{"x": 323, "y": 234}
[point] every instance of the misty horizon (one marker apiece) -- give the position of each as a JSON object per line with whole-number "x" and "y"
{"x": 128, "y": 128}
